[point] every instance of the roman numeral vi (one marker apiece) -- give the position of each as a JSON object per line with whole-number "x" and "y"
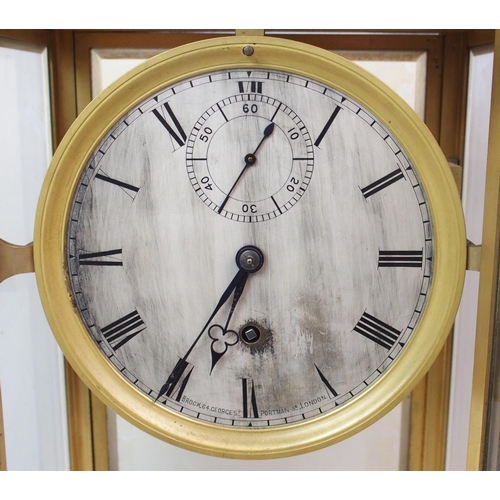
{"x": 249, "y": 399}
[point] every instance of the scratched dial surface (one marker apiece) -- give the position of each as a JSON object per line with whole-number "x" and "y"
{"x": 292, "y": 169}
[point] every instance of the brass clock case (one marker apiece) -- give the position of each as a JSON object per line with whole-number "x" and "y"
{"x": 53, "y": 214}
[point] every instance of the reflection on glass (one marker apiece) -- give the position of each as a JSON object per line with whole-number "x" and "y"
{"x": 109, "y": 64}
{"x": 31, "y": 364}
{"x": 473, "y": 186}
{"x": 402, "y": 71}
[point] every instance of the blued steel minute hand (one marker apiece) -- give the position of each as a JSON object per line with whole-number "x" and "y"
{"x": 222, "y": 338}
{"x": 249, "y": 260}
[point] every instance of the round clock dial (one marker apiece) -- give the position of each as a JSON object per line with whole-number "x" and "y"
{"x": 149, "y": 262}
{"x": 253, "y": 249}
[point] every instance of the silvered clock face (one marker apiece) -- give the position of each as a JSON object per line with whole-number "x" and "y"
{"x": 250, "y": 248}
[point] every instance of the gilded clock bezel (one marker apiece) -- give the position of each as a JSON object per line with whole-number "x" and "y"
{"x": 310, "y": 62}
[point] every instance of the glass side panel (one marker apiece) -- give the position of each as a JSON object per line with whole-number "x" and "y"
{"x": 31, "y": 364}
{"x": 492, "y": 445}
{"x": 132, "y": 449}
{"x": 474, "y": 175}
{"x": 402, "y": 71}
{"x": 109, "y": 64}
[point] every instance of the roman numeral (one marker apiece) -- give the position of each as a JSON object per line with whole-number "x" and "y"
{"x": 250, "y": 87}
{"x": 177, "y": 381}
{"x": 400, "y": 258}
{"x": 325, "y": 381}
{"x": 107, "y": 258}
{"x": 327, "y": 126}
{"x": 379, "y": 332}
{"x": 178, "y": 135}
{"x": 127, "y": 188}
{"x": 382, "y": 183}
{"x": 249, "y": 400}
{"x": 123, "y": 330}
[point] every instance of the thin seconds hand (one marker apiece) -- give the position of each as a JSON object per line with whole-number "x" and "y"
{"x": 250, "y": 159}
{"x": 249, "y": 259}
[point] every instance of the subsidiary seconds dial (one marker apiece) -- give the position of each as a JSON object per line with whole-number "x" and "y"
{"x": 249, "y": 157}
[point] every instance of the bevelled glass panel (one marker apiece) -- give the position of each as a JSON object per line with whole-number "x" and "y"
{"x": 473, "y": 184}
{"x": 31, "y": 363}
